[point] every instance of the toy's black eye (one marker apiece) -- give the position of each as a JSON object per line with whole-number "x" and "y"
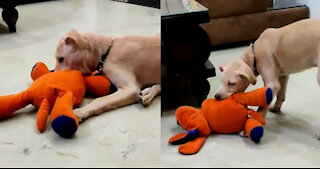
{"x": 60, "y": 59}
{"x": 231, "y": 84}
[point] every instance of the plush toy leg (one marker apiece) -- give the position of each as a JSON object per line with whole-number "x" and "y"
{"x": 11, "y": 103}
{"x": 257, "y": 116}
{"x": 260, "y": 97}
{"x": 38, "y": 70}
{"x": 192, "y": 147}
{"x": 63, "y": 120}
{"x": 42, "y": 115}
{"x": 192, "y": 120}
{"x": 254, "y": 130}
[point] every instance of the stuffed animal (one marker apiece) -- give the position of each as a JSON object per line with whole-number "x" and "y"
{"x": 230, "y": 115}
{"x": 57, "y": 92}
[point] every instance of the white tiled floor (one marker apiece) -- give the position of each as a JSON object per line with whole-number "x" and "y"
{"x": 289, "y": 139}
{"x": 126, "y": 137}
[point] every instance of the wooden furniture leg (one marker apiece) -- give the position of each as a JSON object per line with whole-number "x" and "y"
{"x": 10, "y": 16}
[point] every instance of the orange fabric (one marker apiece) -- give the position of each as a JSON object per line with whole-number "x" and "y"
{"x": 230, "y": 115}
{"x": 254, "y": 98}
{"x": 193, "y": 146}
{"x": 47, "y": 86}
{"x": 225, "y": 116}
{"x": 42, "y": 115}
{"x": 177, "y": 137}
{"x": 251, "y": 123}
{"x": 64, "y": 107}
{"x": 257, "y": 116}
{"x": 191, "y": 118}
{"x": 12, "y": 103}
{"x": 39, "y": 70}
{"x": 61, "y": 90}
{"x": 97, "y": 85}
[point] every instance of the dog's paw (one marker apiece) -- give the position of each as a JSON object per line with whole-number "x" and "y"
{"x": 80, "y": 114}
{"x": 275, "y": 109}
{"x": 146, "y": 96}
{"x": 242, "y": 133}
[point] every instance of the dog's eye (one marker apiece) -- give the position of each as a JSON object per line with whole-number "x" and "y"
{"x": 231, "y": 84}
{"x": 60, "y": 59}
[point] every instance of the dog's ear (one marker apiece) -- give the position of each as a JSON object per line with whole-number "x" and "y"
{"x": 222, "y": 67}
{"x": 74, "y": 39}
{"x": 71, "y": 41}
{"x": 248, "y": 74}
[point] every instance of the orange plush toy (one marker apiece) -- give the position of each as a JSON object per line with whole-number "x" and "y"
{"x": 60, "y": 91}
{"x": 226, "y": 116}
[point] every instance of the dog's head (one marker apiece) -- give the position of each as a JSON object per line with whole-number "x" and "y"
{"x": 74, "y": 52}
{"x": 235, "y": 77}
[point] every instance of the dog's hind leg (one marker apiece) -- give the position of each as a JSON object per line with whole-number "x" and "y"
{"x": 281, "y": 94}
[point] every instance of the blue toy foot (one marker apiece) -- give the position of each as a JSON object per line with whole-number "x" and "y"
{"x": 269, "y": 96}
{"x": 64, "y": 126}
{"x": 256, "y": 134}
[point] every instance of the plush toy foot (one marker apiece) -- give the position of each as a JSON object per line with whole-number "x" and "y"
{"x": 192, "y": 147}
{"x": 254, "y": 130}
{"x": 64, "y": 126}
{"x": 184, "y": 137}
{"x": 269, "y": 95}
{"x": 256, "y": 134}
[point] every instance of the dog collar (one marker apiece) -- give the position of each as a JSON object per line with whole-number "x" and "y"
{"x": 255, "y": 69}
{"x": 104, "y": 57}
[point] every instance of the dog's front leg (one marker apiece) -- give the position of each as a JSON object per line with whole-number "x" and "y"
{"x": 281, "y": 94}
{"x": 123, "y": 97}
{"x": 275, "y": 87}
{"x": 148, "y": 94}
{"x": 271, "y": 79}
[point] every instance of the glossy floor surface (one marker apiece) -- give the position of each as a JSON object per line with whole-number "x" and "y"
{"x": 289, "y": 138}
{"x": 126, "y": 137}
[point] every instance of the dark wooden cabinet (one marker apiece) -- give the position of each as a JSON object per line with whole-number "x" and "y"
{"x": 184, "y": 54}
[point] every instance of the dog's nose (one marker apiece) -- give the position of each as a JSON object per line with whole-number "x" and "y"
{"x": 217, "y": 96}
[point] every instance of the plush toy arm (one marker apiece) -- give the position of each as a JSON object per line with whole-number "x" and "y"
{"x": 260, "y": 97}
{"x": 257, "y": 116}
{"x": 42, "y": 115}
{"x": 38, "y": 70}
{"x": 11, "y": 103}
{"x": 98, "y": 85}
{"x": 63, "y": 120}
